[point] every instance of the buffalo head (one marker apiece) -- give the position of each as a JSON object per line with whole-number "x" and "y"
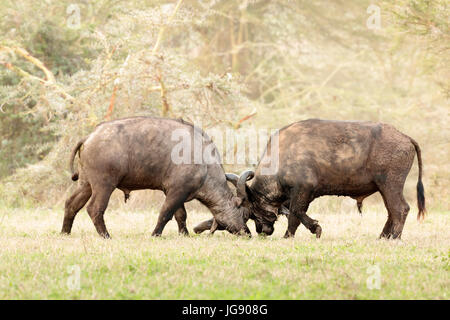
{"x": 257, "y": 206}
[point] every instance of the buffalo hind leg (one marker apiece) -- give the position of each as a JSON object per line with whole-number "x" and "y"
{"x": 398, "y": 209}
{"x": 97, "y": 206}
{"x": 173, "y": 202}
{"x": 299, "y": 207}
{"x": 180, "y": 217}
{"x": 74, "y": 204}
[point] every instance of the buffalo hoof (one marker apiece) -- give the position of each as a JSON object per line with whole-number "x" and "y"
{"x": 184, "y": 232}
{"x": 288, "y": 235}
{"x": 387, "y": 236}
{"x": 390, "y": 236}
{"x": 199, "y": 230}
{"x": 384, "y": 235}
{"x": 318, "y": 231}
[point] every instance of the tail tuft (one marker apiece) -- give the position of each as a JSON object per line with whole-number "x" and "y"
{"x": 421, "y": 201}
{"x": 75, "y": 176}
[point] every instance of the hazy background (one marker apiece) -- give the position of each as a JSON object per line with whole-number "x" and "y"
{"x": 65, "y": 66}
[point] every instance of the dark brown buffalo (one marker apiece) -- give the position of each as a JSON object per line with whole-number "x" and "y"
{"x": 136, "y": 153}
{"x": 343, "y": 158}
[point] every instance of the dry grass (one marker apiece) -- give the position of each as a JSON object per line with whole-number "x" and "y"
{"x": 133, "y": 265}
{"x": 289, "y": 60}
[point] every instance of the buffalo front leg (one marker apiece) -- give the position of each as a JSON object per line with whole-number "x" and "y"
{"x": 74, "y": 204}
{"x": 293, "y": 223}
{"x": 97, "y": 206}
{"x": 180, "y": 217}
{"x": 299, "y": 207}
{"x": 210, "y": 225}
{"x": 173, "y": 202}
{"x": 203, "y": 226}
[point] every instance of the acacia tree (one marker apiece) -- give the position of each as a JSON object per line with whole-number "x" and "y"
{"x": 428, "y": 22}
{"x": 216, "y": 61}
{"x": 141, "y": 68}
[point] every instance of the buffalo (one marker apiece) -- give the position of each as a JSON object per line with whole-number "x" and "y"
{"x": 138, "y": 153}
{"x": 322, "y": 157}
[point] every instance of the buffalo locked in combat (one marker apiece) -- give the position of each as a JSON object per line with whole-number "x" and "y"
{"x": 136, "y": 153}
{"x": 319, "y": 157}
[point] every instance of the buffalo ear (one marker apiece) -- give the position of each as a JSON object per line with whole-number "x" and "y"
{"x": 214, "y": 226}
{"x": 283, "y": 211}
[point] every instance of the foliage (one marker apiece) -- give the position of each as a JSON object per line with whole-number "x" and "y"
{"x": 215, "y": 61}
{"x": 429, "y": 22}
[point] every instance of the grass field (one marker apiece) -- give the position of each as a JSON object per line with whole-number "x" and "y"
{"x": 38, "y": 263}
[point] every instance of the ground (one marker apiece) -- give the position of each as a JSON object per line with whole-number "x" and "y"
{"x": 348, "y": 262}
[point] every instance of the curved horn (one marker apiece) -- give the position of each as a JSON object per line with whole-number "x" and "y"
{"x": 233, "y": 178}
{"x": 241, "y": 191}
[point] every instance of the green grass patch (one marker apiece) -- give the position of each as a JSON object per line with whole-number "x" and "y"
{"x": 37, "y": 263}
